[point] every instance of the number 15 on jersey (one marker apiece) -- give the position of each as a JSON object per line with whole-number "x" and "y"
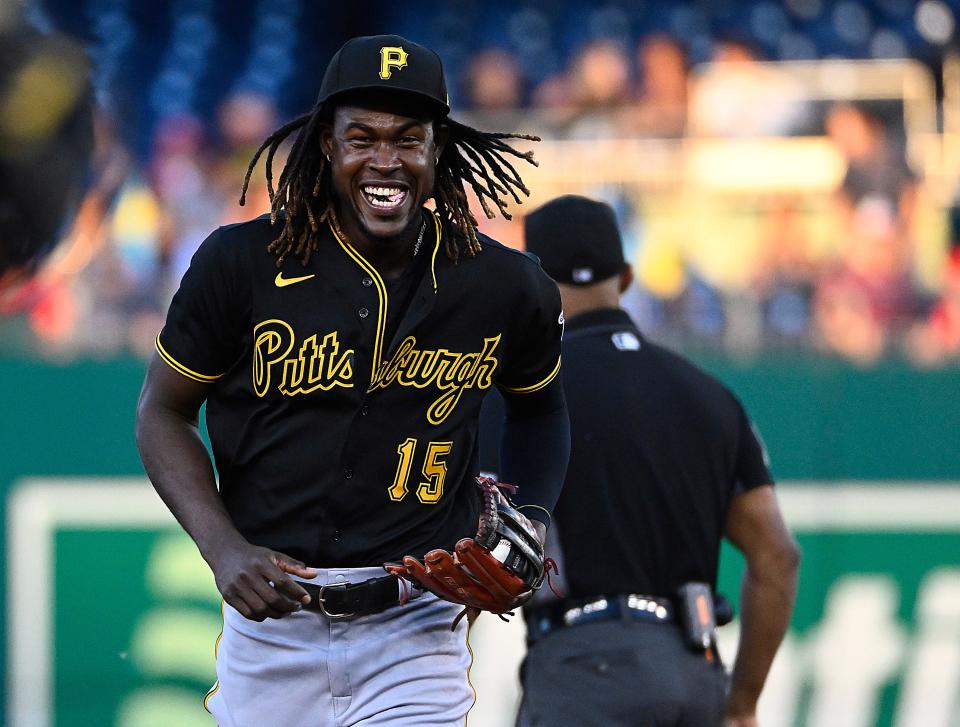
{"x": 430, "y": 490}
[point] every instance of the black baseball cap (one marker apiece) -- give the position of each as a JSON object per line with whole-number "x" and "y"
{"x": 577, "y": 240}
{"x": 387, "y": 64}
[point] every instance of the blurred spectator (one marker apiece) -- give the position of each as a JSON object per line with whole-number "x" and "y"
{"x": 553, "y": 96}
{"x": 245, "y": 120}
{"x": 868, "y": 297}
{"x": 877, "y": 171}
{"x": 719, "y": 262}
{"x": 786, "y": 273}
{"x": 661, "y": 107}
{"x": 494, "y": 82}
{"x": 738, "y": 96}
{"x": 599, "y": 87}
{"x": 181, "y": 177}
{"x": 495, "y": 87}
{"x": 937, "y": 340}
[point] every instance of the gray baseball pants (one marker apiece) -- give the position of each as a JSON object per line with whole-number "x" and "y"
{"x": 400, "y": 667}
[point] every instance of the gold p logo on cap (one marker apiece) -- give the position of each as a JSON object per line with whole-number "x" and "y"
{"x": 391, "y": 56}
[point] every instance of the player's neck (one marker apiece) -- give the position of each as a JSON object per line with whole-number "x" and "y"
{"x": 389, "y": 255}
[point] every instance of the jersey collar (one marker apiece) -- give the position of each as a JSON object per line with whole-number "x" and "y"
{"x": 600, "y": 317}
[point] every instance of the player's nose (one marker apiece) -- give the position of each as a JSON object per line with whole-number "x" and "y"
{"x": 385, "y": 159}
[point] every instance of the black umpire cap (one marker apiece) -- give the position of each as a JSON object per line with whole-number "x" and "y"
{"x": 577, "y": 240}
{"x": 387, "y": 64}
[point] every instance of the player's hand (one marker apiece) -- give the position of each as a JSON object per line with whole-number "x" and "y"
{"x": 244, "y": 574}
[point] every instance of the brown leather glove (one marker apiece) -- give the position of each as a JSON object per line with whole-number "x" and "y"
{"x": 497, "y": 570}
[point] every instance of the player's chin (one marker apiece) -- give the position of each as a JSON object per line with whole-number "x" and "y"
{"x": 387, "y": 221}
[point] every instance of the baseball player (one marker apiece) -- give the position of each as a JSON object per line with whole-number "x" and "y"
{"x": 343, "y": 344}
{"x": 664, "y": 462}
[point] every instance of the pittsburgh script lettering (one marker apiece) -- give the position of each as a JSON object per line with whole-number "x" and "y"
{"x": 451, "y": 372}
{"x": 320, "y": 363}
{"x": 316, "y": 365}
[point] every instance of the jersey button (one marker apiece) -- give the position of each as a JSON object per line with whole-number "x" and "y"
{"x": 367, "y": 282}
{"x": 364, "y": 410}
{"x": 336, "y": 535}
{"x": 363, "y": 312}
{"x": 348, "y": 474}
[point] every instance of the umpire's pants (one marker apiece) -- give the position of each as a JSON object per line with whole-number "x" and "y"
{"x": 618, "y": 673}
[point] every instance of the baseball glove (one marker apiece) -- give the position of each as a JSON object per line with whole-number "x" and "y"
{"x": 497, "y": 570}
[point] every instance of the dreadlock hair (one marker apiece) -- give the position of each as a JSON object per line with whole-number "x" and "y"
{"x": 303, "y": 191}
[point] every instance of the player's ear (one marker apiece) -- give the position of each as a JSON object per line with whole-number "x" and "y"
{"x": 441, "y": 134}
{"x": 626, "y": 277}
{"x": 326, "y": 140}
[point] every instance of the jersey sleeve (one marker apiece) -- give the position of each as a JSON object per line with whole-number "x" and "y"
{"x": 202, "y": 334}
{"x": 532, "y": 357}
{"x": 752, "y": 463}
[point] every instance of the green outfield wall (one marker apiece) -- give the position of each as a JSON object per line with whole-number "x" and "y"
{"x": 110, "y": 616}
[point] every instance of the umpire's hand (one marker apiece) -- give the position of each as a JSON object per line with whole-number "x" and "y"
{"x": 254, "y": 581}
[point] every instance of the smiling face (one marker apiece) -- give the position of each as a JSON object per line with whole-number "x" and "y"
{"x": 383, "y": 168}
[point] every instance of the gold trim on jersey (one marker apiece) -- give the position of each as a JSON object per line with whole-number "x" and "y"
{"x": 381, "y": 287}
{"x": 533, "y": 387}
{"x": 381, "y": 293}
{"x": 181, "y": 369}
{"x": 436, "y": 247}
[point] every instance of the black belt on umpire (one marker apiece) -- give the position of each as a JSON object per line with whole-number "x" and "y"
{"x": 352, "y": 600}
{"x": 573, "y": 612}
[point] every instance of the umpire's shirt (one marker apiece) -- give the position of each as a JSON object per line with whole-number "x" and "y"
{"x": 658, "y": 450}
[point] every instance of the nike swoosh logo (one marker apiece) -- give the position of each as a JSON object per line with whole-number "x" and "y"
{"x": 281, "y": 281}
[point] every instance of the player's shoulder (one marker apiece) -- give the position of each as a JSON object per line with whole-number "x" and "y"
{"x": 504, "y": 254}
{"x": 509, "y": 262}
{"x": 248, "y": 233}
{"x": 238, "y": 245}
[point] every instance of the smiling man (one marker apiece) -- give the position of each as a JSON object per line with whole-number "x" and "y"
{"x": 343, "y": 345}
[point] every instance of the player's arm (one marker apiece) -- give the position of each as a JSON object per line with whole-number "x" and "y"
{"x": 756, "y": 527}
{"x": 534, "y": 450}
{"x": 180, "y": 469}
{"x": 535, "y": 443}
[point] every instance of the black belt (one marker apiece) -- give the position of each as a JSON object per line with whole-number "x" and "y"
{"x": 632, "y": 606}
{"x": 349, "y": 600}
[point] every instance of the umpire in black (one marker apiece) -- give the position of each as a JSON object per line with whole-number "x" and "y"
{"x": 664, "y": 464}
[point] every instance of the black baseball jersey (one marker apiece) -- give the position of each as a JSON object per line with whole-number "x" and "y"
{"x": 658, "y": 451}
{"x": 343, "y": 408}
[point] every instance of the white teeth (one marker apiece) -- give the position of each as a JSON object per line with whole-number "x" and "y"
{"x": 384, "y": 196}
{"x": 383, "y": 191}
{"x": 377, "y": 202}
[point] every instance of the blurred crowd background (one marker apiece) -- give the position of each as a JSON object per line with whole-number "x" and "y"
{"x": 786, "y": 172}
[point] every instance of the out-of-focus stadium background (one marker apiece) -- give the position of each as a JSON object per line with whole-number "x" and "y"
{"x": 787, "y": 176}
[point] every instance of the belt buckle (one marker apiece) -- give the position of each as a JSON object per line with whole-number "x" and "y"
{"x": 323, "y": 609}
